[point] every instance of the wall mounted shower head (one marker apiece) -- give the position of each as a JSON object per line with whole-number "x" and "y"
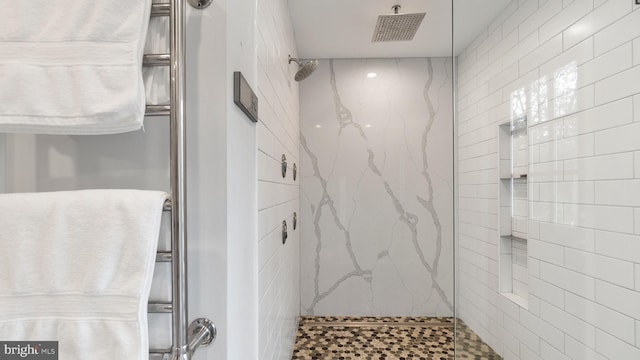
{"x": 305, "y": 69}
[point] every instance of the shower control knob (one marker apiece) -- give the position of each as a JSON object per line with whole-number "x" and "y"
{"x": 285, "y": 235}
{"x": 295, "y": 220}
{"x": 284, "y": 166}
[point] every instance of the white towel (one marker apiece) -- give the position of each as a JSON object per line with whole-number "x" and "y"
{"x": 77, "y": 268}
{"x": 72, "y": 67}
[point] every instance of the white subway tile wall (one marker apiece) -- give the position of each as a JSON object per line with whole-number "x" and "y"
{"x": 573, "y": 67}
{"x": 278, "y": 128}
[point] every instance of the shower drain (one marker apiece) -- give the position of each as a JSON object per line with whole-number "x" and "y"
{"x": 379, "y": 324}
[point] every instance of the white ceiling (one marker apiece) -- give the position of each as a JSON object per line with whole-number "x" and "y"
{"x": 343, "y": 28}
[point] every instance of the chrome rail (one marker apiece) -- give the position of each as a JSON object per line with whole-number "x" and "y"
{"x": 178, "y": 170}
{"x": 201, "y": 332}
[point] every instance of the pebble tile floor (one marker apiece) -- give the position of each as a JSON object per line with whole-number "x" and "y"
{"x": 386, "y": 338}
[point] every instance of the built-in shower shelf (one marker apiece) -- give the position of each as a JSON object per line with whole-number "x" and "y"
{"x": 522, "y": 302}
{"x": 514, "y": 177}
{"x": 514, "y": 211}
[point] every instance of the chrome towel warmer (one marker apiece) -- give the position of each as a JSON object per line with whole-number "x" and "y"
{"x": 201, "y": 332}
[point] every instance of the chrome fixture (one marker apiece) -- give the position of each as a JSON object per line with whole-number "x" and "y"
{"x": 284, "y": 165}
{"x": 285, "y": 235}
{"x": 397, "y": 27}
{"x": 305, "y": 69}
{"x": 200, "y": 4}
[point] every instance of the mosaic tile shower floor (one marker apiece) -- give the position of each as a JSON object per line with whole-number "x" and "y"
{"x": 386, "y": 338}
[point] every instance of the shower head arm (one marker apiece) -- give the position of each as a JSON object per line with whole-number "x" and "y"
{"x": 297, "y": 61}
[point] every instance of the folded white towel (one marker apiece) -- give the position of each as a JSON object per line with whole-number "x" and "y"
{"x": 72, "y": 67}
{"x": 77, "y": 268}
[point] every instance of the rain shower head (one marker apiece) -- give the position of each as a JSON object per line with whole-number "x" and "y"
{"x": 305, "y": 68}
{"x": 397, "y": 27}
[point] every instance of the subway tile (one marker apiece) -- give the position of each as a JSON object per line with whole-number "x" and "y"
{"x": 605, "y": 65}
{"x": 619, "y": 219}
{"x": 636, "y": 164}
{"x": 549, "y": 352}
{"x": 506, "y": 12}
{"x": 605, "y": 167}
{"x": 575, "y": 147}
{"x": 574, "y": 192}
{"x": 570, "y": 324}
{"x": 569, "y": 100}
{"x": 528, "y": 354}
{"x": 595, "y": 21}
{"x": 575, "y": 56}
{"x": 599, "y": 118}
{"x": 543, "y": 53}
{"x": 619, "y": 246}
{"x": 600, "y": 267}
{"x": 618, "y": 298}
{"x": 567, "y": 279}
{"x": 545, "y": 251}
{"x": 522, "y": 83}
{"x": 620, "y": 139}
{"x": 597, "y": 3}
{"x": 522, "y": 50}
{"x": 546, "y": 132}
{"x": 636, "y": 108}
{"x": 574, "y": 237}
{"x": 548, "y": 171}
{"x": 488, "y": 42}
{"x": 636, "y": 220}
{"x": 480, "y": 64}
{"x": 613, "y": 322}
{"x": 521, "y": 14}
{"x": 534, "y": 267}
{"x": 542, "y": 15}
{"x": 626, "y": 83}
{"x": 507, "y": 43}
{"x": 564, "y": 18}
{"x": 545, "y": 291}
{"x": 619, "y": 193}
{"x": 577, "y": 350}
{"x": 494, "y": 99}
{"x": 623, "y": 30}
{"x": 506, "y": 76}
{"x": 614, "y": 348}
{"x": 522, "y": 333}
{"x": 547, "y": 332}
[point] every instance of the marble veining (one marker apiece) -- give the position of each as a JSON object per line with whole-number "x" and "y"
{"x": 376, "y": 212}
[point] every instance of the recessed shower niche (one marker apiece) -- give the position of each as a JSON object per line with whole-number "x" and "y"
{"x": 514, "y": 210}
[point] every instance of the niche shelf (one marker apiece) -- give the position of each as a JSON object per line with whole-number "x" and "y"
{"x": 513, "y": 150}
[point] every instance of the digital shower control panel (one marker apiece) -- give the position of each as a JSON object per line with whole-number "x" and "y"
{"x": 244, "y": 97}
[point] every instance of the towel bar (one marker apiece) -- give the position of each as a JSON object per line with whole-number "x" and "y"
{"x": 201, "y": 332}
{"x": 156, "y": 60}
{"x": 160, "y": 10}
{"x": 157, "y": 307}
{"x": 163, "y": 256}
{"x": 157, "y": 110}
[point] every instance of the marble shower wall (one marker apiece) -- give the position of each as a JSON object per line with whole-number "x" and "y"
{"x": 376, "y": 188}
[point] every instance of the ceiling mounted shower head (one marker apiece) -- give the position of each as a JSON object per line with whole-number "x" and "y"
{"x": 397, "y": 27}
{"x": 305, "y": 69}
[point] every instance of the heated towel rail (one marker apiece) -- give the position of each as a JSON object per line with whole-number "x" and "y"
{"x": 201, "y": 332}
